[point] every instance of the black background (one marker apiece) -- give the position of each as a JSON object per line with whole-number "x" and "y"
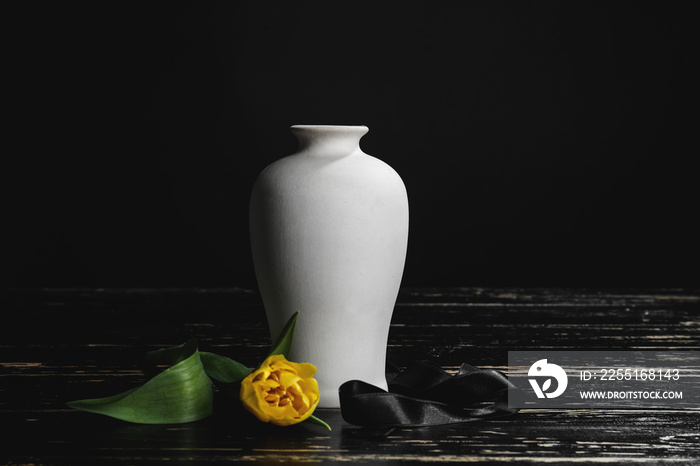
{"x": 541, "y": 143}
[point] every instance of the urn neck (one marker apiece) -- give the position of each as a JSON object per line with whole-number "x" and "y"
{"x": 329, "y": 141}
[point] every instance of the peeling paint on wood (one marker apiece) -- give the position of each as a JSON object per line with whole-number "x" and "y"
{"x": 46, "y": 358}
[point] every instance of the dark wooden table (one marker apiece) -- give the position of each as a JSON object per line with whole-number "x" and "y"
{"x": 59, "y": 345}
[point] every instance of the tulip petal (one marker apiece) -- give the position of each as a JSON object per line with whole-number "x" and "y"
{"x": 306, "y": 370}
{"x": 287, "y": 379}
{"x": 300, "y": 395}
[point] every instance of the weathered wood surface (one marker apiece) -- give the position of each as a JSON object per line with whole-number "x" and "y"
{"x": 58, "y": 345}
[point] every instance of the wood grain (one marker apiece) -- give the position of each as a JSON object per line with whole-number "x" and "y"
{"x": 57, "y": 345}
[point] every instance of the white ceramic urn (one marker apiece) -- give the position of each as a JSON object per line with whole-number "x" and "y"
{"x": 329, "y": 231}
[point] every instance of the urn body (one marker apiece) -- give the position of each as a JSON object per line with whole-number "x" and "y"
{"x": 329, "y": 232}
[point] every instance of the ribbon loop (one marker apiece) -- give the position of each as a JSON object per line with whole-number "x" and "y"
{"x": 426, "y": 395}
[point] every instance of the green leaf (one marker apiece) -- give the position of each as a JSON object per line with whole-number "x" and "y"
{"x": 172, "y": 355}
{"x": 314, "y": 420}
{"x": 283, "y": 343}
{"x": 181, "y": 393}
{"x": 222, "y": 368}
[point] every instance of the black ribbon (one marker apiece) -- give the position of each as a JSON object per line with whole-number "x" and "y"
{"x": 426, "y": 395}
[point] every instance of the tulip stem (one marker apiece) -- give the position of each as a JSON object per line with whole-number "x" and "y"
{"x": 316, "y": 420}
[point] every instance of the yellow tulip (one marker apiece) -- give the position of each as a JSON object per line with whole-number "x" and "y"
{"x": 280, "y": 391}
